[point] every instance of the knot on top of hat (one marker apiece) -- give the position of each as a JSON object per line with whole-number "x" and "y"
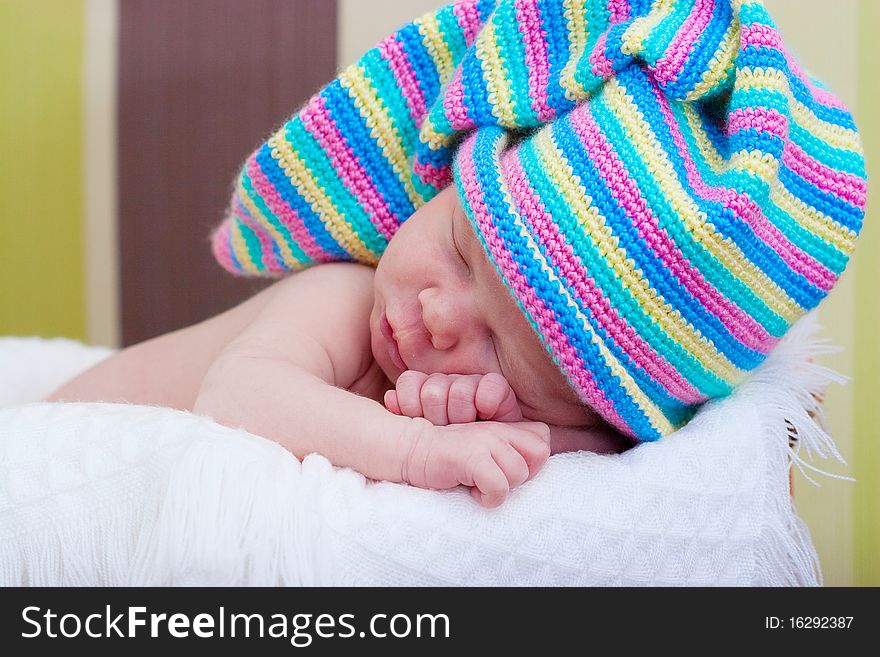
{"x": 532, "y": 61}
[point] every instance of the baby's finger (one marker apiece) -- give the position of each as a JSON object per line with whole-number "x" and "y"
{"x": 532, "y": 441}
{"x": 491, "y": 484}
{"x": 391, "y": 402}
{"x": 461, "y": 406}
{"x": 409, "y": 385}
{"x": 434, "y": 395}
{"x": 512, "y": 464}
{"x": 495, "y": 399}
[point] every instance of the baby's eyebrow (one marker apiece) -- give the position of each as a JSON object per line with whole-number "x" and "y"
{"x": 468, "y": 232}
{"x": 474, "y": 255}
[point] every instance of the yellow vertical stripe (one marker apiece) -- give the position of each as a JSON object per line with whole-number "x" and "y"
{"x": 41, "y": 216}
{"x": 497, "y": 81}
{"x": 101, "y": 255}
{"x": 867, "y": 321}
{"x": 577, "y": 30}
{"x": 429, "y": 28}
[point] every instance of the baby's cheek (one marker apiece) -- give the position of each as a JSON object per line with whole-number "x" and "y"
{"x": 570, "y": 415}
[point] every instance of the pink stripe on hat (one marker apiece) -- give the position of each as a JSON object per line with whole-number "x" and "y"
{"x": 267, "y": 252}
{"x": 746, "y": 210}
{"x": 285, "y": 214}
{"x": 406, "y": 78}
{"x": 552, "y": 334}
{"x": 591, "y": 296}
{"x": 740, "y": 325}
{"x": 668, "y": 67}
{"x": 536, "y": 58}
{"x": 317, "y": 120}
{"x": 842, "y": 184}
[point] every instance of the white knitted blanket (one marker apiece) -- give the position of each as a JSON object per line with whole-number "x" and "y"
{"x": 107, "y": 494}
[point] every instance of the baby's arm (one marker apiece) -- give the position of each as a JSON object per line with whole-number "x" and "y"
{"x": 453, "y": 398}
{"x": 166, "y": 370}
{"x": 284, "y": 376}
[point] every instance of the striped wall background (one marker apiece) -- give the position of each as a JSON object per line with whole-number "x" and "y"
{"x": 62, "y": 168}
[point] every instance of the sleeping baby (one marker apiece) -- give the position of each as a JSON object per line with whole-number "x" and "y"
{"x": 309, "y": 361}
{"x": 516, "y": 229}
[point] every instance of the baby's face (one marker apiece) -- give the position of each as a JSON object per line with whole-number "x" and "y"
{"x": 440, "y": 297}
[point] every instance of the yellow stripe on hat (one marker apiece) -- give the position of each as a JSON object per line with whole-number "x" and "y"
{"x": 834, "y": 135}
{"x": 738, "y": 4}
{"x": 651, "y": 302}
{"x": 497, "y": 81}
{"x": 633, "y": 41}
{"x": 286, "y": 254}
{"x": 436, "y": 140}
{"x": 377, "y": 119}
{"x": 300, "y": 176}
{"x": 239, "y": 247}
{"x": 770, "y": 79}
{"x": 429, "y": 28}
{"x": 577, "y": 34}
{"x": 655, "y": 416}
{"x": 707, "y": 149}
{"x": 695, "y": 221}
{"x": 760, "y": 164}
{"x": 810, "y": 219}
{"x": 775, "y": 80}
{"x": 723, "y": 62}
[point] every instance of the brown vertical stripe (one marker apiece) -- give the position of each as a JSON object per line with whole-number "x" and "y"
{"x": 201, "y": 83}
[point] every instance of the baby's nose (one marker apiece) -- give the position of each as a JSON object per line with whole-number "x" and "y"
{"x": 444, "y": 315}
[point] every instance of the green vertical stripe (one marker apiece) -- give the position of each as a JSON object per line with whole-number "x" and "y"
{"x": 867, "y": 329}
{"x": 41, "y": 216}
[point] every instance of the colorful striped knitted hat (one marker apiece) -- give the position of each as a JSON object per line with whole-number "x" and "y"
{"x": 661, "y": 187}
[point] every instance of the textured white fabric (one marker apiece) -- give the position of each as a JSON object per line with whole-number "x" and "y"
{"x": 109, "y": 494}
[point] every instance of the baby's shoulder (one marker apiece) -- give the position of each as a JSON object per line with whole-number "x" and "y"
{"x": 327, "y": 286}
{"x": 350, "y": 275}
{"x": 325, "y": 292}
{"x": 325, "y": 309}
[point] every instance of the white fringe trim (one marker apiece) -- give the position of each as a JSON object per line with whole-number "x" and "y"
{"x": 794, "y": 423}
{"x": 183, "y": 511}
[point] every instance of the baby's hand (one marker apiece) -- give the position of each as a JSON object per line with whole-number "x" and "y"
{"x": 490, "y": 457}
{"x": 453, "y": 398}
